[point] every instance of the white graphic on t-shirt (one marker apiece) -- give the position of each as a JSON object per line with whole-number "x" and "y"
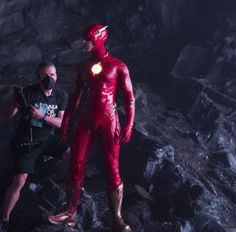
{"x": 46, "y": 109}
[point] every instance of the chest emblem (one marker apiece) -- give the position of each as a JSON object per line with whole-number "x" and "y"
{"x": 96, "y": 69}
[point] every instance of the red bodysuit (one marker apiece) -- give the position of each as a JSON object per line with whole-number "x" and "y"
{"x": 94, "y": 95}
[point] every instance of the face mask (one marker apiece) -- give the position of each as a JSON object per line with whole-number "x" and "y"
{"x": 48, "y": 82}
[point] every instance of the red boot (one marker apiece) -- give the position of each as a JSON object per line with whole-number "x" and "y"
{"x": 68, "y": 217}
{"x": 116, "y": 200}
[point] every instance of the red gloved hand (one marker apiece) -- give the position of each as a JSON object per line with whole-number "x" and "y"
{"x": 125, "y": 135}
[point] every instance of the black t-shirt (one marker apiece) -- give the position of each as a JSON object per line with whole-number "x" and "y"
{"x": 49, "y": 105}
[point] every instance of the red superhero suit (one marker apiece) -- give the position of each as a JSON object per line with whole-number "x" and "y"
{"x": 94, "y": 95}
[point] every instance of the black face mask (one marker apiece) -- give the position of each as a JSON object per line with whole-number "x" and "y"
{"x": 48, "y": 82}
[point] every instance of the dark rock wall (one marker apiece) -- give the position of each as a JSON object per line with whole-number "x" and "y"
{"x": 38, "y": 29}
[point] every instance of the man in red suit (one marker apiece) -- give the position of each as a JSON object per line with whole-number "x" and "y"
{"x": 94, "y": 95}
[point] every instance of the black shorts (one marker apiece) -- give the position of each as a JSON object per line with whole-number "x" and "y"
{"x": 53, "y": 146}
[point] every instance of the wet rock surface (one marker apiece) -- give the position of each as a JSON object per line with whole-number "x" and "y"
{"x": 179, "y": 169}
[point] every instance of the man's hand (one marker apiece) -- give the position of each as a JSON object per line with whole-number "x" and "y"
{"x": 36, "y": 113}
{"x": 125, "y": 135}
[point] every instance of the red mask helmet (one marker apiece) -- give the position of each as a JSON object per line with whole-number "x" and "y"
{"x": 96, "y": 33}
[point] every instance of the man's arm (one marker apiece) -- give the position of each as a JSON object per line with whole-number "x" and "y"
{"x": 54, "y": 121}
{"x": 129, "y": 100}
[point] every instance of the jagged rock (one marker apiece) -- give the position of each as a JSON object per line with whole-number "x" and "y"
{"x": 68, "y": 57}
{"x": 168, "y": 188}
{"x": 12, "y": 23}
{"x": 4, "y": 56}
{"x": 221, "y": 73}
{"x": 155, "y": 160}
{"x": 150, "y": 107}
{"x": 11, "y": 6}
{"x": 191, "y": 62}
{"x": 27, "y": 55}
{"x": 206, "y": 224}
{"x": 204, "y": 112}
{"x": 230, "y": 88}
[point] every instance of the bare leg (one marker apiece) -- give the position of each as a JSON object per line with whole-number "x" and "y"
{"x": 12, "y": 194}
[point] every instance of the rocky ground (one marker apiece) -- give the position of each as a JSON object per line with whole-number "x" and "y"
{"x": 174, "y": 180}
